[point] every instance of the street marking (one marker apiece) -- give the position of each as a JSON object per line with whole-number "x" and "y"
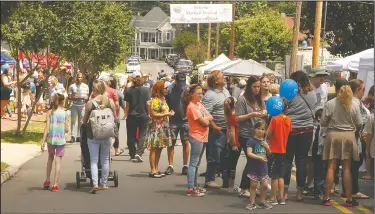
{"x": 340, "y": 207}
{"x": 360, "y": 207}
{"x": 333, "y": 202}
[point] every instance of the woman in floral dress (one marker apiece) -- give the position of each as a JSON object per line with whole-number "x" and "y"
{"x": 158, "y": 135}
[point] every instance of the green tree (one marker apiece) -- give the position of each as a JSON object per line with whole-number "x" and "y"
{"x": 184, "y": 39}
{"x": 263, "y": 36}
{"x": 31, "y": 29}
{"x": 349, "y": 26}
{"x": 196, "y": 52}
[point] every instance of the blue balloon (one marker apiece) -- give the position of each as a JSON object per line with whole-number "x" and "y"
{"x": 3, "y": 67}
{"x": 288, "y": 89}
{"x": 274, "y": 106}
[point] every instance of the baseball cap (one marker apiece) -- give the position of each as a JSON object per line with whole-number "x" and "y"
{"x": 166, "y": 84}
{"x": 242, "y": 83}
{"x": 136, "y": 74}
{"x": 318, "y": 71}
{"x": 180, "y": 77}
{"x": 104, "y": 78}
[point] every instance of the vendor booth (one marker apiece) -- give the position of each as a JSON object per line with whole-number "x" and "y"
{"x": 366, "y": 70}
{"x": 243, "y": 68}
{"x": 219, "y": 60}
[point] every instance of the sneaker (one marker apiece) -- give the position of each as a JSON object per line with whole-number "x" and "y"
{"x": 234, "y": 189}
{"x": 273, "y": 202}
{"x": 73, "y": 140}
{"x": 55, "y": 188}
{"x": 46, "y": 184}
{"x": 282, "y": 201}
{"x": 351, "y": 203}
{"x": 212, "y": 185}
{"x": 264, "y": 205}
{"x": 244, "y": 193}
{"x": 184, "y": 170}
{"x": 139, "y": 158}
{"x": 308, "y": 191}
{"x": 318, "y": 197}
{"x": 327, "y": 202}
{"x": 154, "y": 175}
{"x": 252, "y": 206}
{"x": 200, "y": 189}
{"x": 169, "y": 170}
{"x": 194, "y": 192}
{"x": 78, "y": 139}
{"x": 161, "y": 174}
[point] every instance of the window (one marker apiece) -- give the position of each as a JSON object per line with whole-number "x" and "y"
{"x": 168, "y": 36}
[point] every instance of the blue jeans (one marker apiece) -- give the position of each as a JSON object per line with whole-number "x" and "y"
{"x": 196, "y": 152}
{"x": 102, "y": 146}
{"x": 219, "y": 154}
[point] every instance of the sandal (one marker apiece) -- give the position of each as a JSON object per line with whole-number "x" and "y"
{"x": 360, "y": 195}
{"x": 94, "y": 189}
{"x": 155, "y": 175}
{"x": 119, "y": 153}
{"x": 366, "y": 177}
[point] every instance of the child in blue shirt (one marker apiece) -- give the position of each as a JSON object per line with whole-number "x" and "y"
{"x": 257, "y": 151}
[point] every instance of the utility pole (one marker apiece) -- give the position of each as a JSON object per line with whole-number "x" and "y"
{"x": 297, "y": 21}
{"x": 324, "y": 30}
{"x": 232, "y": 33}
{"x": 317, "y": 29}
{"x": 209, "y": 42}
{"x": 198, "y": 33}
{"x": 217, "y": 39}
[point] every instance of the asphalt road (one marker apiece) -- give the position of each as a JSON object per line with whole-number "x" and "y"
{"x": 137, "y": 193}
{"x": 155, "y": 67}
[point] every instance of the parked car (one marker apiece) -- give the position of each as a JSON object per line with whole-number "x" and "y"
{"x": 134, "y": 58}
{"x": 168, "y": 58}
{"x": 133, "y": 66}
{"x": 185, "y": 65}
{"x": 173, "y": 59}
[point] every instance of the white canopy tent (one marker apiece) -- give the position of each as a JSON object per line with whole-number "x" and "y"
{"x": 243, "y": 68}
{"x": 219, "y": 60}
{"x": 349, "y": 63}
{"x": 366, "y": 70}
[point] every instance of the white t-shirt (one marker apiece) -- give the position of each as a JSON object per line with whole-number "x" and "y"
{"x": 321, "y": 95}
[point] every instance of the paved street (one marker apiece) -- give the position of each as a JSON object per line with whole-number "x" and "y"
{"x": 137, "y": 193}
{"x": 155, "y": 67}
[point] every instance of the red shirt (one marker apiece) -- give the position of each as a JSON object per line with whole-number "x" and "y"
{"x": 281, "y": 126}
{"x": 231, "y": 121}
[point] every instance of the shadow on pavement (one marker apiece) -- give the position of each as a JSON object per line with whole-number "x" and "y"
{"x": 85, "y": 187}
{"x": 140, "y": 175}
{"x": 32, "y": 189}
{"x": 173, "y": 192}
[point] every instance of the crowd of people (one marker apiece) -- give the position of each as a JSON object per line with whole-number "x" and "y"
{"x": 219, "y": 118}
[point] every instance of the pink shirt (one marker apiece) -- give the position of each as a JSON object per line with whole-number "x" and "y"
{"x": 193, "y": 113}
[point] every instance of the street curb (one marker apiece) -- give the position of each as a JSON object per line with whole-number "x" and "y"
{"x": 8, "y": 173}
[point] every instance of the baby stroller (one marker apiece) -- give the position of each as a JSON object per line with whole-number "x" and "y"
{"x": 82, "y": 176}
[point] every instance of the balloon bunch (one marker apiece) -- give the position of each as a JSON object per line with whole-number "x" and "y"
{"x": 288, "y": 90}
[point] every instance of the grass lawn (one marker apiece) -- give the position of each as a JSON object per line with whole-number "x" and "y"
{"x": 3, "y": 166}
{"x": 33, "y": 135}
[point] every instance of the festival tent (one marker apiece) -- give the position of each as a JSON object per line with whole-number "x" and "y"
{"x": 243, "y": 68}
{"x": 366, "y": 70}
{"x": 349, "y": 63}
{"x": 219, "y": 60}
{"x": 5, "y": 59}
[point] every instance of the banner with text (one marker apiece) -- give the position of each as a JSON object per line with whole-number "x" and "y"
{"x": 200, "y": 13}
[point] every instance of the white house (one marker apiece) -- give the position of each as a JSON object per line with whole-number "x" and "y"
{"x": 154, "y": 35}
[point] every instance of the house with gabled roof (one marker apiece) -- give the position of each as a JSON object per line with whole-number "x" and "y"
{"x": 153, "y": 34}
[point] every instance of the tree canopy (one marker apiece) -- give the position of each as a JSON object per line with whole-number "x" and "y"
{"x": 263, "y": 36}
{"x": 184, "y": 39}
{"x": 349, "y": 26}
